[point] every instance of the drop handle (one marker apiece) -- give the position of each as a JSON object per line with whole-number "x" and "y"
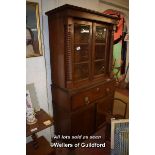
{"x": 97, "y": 89}
{"x": 107, "y": 90}
{"x": 86, "y": 99}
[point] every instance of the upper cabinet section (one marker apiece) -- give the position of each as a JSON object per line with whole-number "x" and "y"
{"x": 81, "y": 43}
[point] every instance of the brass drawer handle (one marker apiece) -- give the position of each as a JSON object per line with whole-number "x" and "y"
{"x": 97, "y": 89}
{"x": 86, "y": 99}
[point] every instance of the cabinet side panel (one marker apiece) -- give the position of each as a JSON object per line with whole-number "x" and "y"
{"x": 61, "y": 121}
{"x": 61, "y": 98}
{"x": 56, "y": 41}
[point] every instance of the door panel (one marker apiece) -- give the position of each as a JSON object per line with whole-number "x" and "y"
{"x": 99, "y": 67}
{"x": 102, "y": 107}
{"x": 81, "y": 33}
{"x": 100, "y": 34}
{"x": 99, "y": 52}
{"x": 81, "y": 53}
{"x": 83, "y": 121}
{"x": 81, "y": 71}
{"x": 82, "y": 49}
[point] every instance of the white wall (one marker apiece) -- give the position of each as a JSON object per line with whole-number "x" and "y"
{"x": 36, "y": 73}
{"x": 38, "y": 69}
{"x": 89, "y": 4}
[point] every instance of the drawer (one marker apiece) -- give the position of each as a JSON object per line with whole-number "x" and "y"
{"x": 102, "y": 90}
{"x": 81, "y": 99}
{"x": 99, "y": 91}
{"x": 86, "y": 97}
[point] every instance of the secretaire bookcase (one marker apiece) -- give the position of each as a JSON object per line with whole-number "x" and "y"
{"x": 81, "y": 42}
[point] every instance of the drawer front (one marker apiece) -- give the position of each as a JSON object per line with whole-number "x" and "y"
{"x": 92, "y": 94}
{"x": 81, "y": 99}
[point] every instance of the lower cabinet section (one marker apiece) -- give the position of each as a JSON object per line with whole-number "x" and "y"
{"x": 82, "y": 112}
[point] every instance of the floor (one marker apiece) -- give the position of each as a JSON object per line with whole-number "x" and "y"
{"x": 85, "y": 151}
{"x": 123, "y": 91}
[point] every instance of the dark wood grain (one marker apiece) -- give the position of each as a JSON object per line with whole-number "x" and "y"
{"x": 80, "y": 96}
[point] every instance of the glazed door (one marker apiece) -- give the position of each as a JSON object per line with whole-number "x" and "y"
{"x": 82, "y": 50}
{"x": 99, "y": 54}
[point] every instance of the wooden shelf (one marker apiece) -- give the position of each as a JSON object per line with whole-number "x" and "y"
{"x": 43, "y": 148}
{"x": 102, "y": 44}
{"x": 41, "y": 117}
{"x": 96, "y": 60}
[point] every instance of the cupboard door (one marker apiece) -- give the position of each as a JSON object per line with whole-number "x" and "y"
{"x": 100, "y": 36}
{"x": 102, "y": 107}
{"x": 83, "y": 121}
{"x": 81, "y": 49}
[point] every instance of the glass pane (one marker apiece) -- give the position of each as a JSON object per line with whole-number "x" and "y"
{"x": 81, "y": 71}
{"x": 100, "y": 34}
{"x": 82, "y": 33}
{"x": 99, "y": 51}
{"x": 81, "y": 53}
{"x": 99, "y": 67}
